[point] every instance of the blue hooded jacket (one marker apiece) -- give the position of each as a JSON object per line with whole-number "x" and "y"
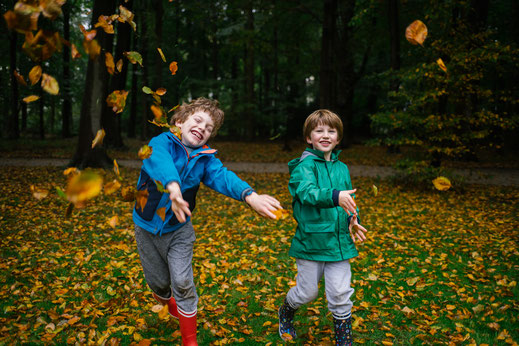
{"x": 171, "y": 162}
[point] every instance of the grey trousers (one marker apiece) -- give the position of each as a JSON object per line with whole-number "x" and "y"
{"x": 337, "y": 281}
{"x": 166, "y": 262}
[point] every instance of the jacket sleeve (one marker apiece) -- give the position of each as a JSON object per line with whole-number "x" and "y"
{"x": 224, "y": 181}
{"x": 303, "y": 186}
{"x": 160, "y": 165}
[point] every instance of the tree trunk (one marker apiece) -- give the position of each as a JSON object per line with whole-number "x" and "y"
{"x": 13, "y": 131}
{"x": 41, "y": 107}
{"x": 23, "y": 107}
{"x": 249, "y": 74}
{"x": 66, "y": 119}
{"x": 394, "y": 39}
{"x": 94, "y": 95}
{"x": 327, "y": 75}
{"x": 145, "y": 110}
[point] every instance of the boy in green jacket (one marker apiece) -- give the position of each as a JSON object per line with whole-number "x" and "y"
{"x": 327, "y": 226}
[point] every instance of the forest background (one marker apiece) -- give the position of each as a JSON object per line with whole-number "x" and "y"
{"x": 69, "y": 272}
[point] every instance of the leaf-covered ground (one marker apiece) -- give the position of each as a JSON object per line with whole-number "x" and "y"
{"x": 438, "y": 268}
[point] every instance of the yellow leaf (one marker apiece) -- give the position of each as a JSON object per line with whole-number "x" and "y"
{"x": 105, "y": 22}
{"x": 145, "y": 152}
{"x": 416, "y": 32}
{"x": 49, "y": 84}
{"x": 441, "y": 64}
{"x": 281, "y": 214}
{"x": 35, "y": 74}
{"x": 84, "y": 186}
{"x": 110, "y": 291}
{"x": 156, "y": 308}
{"x": 31, "y": 98}
{"x": 117, "y": 100}
{"x": 450, "y": 307}
{"x": 111, "y": 187}
{"x": 92, "y": 48}
{"x": 442, "y": 183}
{"x": 100, "y": 135}
{"x": 374, "y": 189}
{"x": 412, "y": 281}
{"x": 266, "y": 324}
{"x": 161, "y": 54}
{"x": 116, "y": 169}
{"x": 176, "y": 131}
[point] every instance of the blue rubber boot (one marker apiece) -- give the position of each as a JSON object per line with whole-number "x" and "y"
{"x": 286, "y": 319}
{"x": 343, "y": 331}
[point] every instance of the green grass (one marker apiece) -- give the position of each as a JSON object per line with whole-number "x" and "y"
{"x": 438, "y": 268}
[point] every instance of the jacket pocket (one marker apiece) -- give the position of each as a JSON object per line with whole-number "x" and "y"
{"x": 319, "y": 236}
{"x": 154, "y": 196}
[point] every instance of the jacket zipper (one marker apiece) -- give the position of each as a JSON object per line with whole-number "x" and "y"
{"x": 338, "y": 211}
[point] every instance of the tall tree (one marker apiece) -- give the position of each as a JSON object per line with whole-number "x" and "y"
{"x": 13, "y": 131}
{"x": 66, "y": 92}
{"x": 249, "y": 72}
{"x": 95, "y": 93}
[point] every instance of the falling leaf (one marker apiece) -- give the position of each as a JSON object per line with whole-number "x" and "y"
{"x": 74, "y": 53}
{"x": 442, "y": 183}
{"x": 51, "y": 8}
{"x": 88, "y": 35}
{"x": 111, "y": 187}
{"x": 134, "y": 57}
{"x": 35, "y": 74}
{"x": 157, "y": 112}
{"x": 109, "y": 62}
{"x": 126, "y": 15}
{"x": 147, "y": 90}
{"x": 20, "y": 78}
{"x": 92, "y": 48}
{"x": 105, "y": 23}
{"x": 176, "y": 131}
{"x": 416, "y": 32}
{"x": 161, "y": 212}
{"x": 160, "y": 91}
{"x": 374, "y": 189}
{"x": 114, "y": 220}
{"x": 174, "y": 108}
{"x": 39, "y": 193}
{"x": 31, "y": 98}
{"x": 145, "y": 152}
{"x": 161, "y": 54}
{"x": 71, "y": 171}
{"x": 119, "y": 65}
{"x": 84, "y": 186}
{"x": 173, "y": 67}
{"x": 99, "y": 138}
{"x": 281, "y": 214}
{"x": 160, "y": 187}
{"x": 49, "y": 84}
{"x": 117, "y": 100}
{"x": 128, "y": 193}
{"x": 441, "y": 64}
{"x": 116, "y": 169}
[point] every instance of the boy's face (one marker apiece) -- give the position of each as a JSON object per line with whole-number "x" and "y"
{"x": 323, "y": 138}
{"x": 196, "y": 129}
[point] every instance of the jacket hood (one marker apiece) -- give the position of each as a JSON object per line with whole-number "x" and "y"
{"x": 311, "y": 154}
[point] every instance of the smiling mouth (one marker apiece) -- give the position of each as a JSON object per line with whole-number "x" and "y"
{"x": 197, "y": 134}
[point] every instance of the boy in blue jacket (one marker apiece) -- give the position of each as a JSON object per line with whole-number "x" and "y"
{"x": 163, "y": 229}
{"x": 327, "y": 226}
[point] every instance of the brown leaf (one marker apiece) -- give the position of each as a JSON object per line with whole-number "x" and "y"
{"x": 119, "y": 65}
{"x": 39, "y": 193}
{"x": 109, "y": 62}
{"x": 117, "y": 100}
{"x": 111, "y": 187}
{"x": 441, "y": 64}
{"x": 20, "y": 78}
{"x": 89, "y": 35}
{"x": 142, "y": 198}
{"x": 128, "y": 193}
{"x": 416, "y": 32}
{"x": 105, "y": 22}
{"x": 92, "y": 48}
{"x": 161, "y": 212}
{"x": 145, "y": 152}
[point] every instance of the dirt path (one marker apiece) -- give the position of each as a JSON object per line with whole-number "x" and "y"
{"x": 490, "y": 176}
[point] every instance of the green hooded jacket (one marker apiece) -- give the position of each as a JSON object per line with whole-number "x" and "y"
{"x": 322, "y": 232}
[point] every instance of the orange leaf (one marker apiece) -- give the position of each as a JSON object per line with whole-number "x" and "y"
{"x": 116, "y": 169}
{"x": 176, "y": 131}
{"x": 173, "y": 67}
{"x": 20, "y": 78}
{"x": 142, "y": 198}
{"x": 51, "y": 8}
{"x": 111, "y": 187}
{"x": 145, "y": 152}
{"x": 157, "y": 112}
{"x": 89, "y": 35}
{"x": 161, "y": 54}
{"x": 92, "y": 48}
{"x": 39, "y": 193}
{"x": 31, "y": 98}
{"x": 441, "y": 64}
{"x": 416, "y": 32}
{"x": 281, "y": 214}
{"x": 106, "y": 23}
{"x": 74, "y": 52}
{"x": 128, "y": 193}
{"x": 35, "y": 74}
{"x": 126, "y": 15}
{"x": 114, "y": 220}
{"x": 109, "y": 62}
{"x": 160, "y": 91}
{"x": 99, "y": 138}
{"x": 49, "y": 84}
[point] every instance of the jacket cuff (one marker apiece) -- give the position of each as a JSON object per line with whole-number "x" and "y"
{"x": 246, "y": 192}
{"x": 335, "y": 197}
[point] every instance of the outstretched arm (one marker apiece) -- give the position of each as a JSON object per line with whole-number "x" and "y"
{"x": 346, "y": 201}
{"x": 179, "y": 206}
{"x": 263, "y": 204}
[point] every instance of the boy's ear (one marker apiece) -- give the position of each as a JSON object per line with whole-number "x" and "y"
{"x": 178, "y": 123}
{"x": 308, "y": 140}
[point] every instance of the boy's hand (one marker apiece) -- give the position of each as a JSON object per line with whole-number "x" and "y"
{"x": 179, "y": 206}
{"x": 356, "y": 230}
{"x": 263, "y": 204}
{"x": 346, "y": 201}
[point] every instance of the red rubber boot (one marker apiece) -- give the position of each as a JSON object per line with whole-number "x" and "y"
{"x": 188, "y": 328}
{"x": 171, "y": 303}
